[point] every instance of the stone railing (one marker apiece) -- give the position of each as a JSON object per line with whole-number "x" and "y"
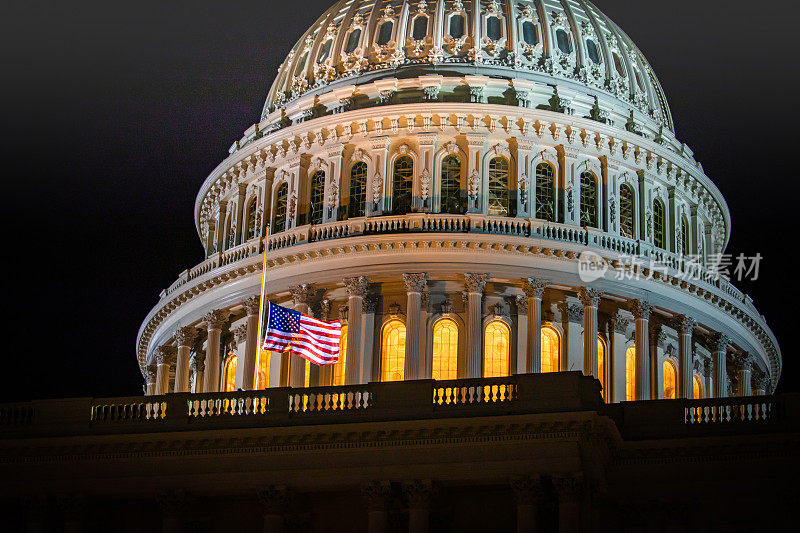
{"x": 731, "y": 410}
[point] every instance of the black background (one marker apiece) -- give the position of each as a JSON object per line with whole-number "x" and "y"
{"x": 114, "y": 113}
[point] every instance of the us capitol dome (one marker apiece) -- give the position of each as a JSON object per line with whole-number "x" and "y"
{"x": 440, "y": 176}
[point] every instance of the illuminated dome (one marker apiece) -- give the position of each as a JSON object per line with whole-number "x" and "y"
{"x": 569, "y": 43}
{"x": 475, "y": 190}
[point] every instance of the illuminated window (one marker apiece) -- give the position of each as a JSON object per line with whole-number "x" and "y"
{"x": 445, "y": 349}
{"x": 393, "y": 351}
{"x": 594, "y": 52}
{"x": 420, "y": 29}
{"x": 250, "y": 230}
{"x": 229, "y": 379}
{"x": 670, "y": 380}
{"x": 352, "y": 41}
{"x": 545, "y": 192}
{"x": 686, "y": 245}
{"x": 588, "y": 200}
{"x": 529, "y": 33}
{"x": 601, "y": 365}
{"x": 697, "y": 387}
{"x": 497, "y": 342}
{"x": 262, "y": 369}
{"x": 317, "y": 197}
{"x": 402, "y": 185}
{"x": 338, "y": 368}
{"x": 358, "y": 190}
{"x": 281, "y": 199}
{"x": 494, "y": 29}
{"x": 551, "y": 347}
{"x": 456, "y": 26}
{"x": 627, "y": 212}
{"x": 451, "y": 185}
{"x": 659, "y": 224}
{"x": 499, "y": 199}
{"x": 385, "y": 33}
{"x": 563, "y": 41}
{"x": 307, "y": 374}
{"x": 630, "y": 374}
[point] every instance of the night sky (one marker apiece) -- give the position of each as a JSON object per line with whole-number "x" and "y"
{"x": 114, "y": 114}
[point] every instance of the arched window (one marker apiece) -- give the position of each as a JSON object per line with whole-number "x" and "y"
{"x": 686, "y": 246}
{"x": 317, "y": 204}
{"x": 457, "y": 26}
{"x": 385, "y": 32}
{"x": 630, "y": 374}
{"x": 393, "y": 351}
{"x": 627, "y": 212}
{"x": 659, "y": 224}
{"x": 229, "y": 236}
{"x": 338, "y": 368}
{"x": 451, "y": 185}
{"x": 445, "y": 349}
{"x": 545, "y": 192}
{"x": 281, "y": 199}
{"x": 402, "y": 185}
{"x": 670, "y": 380}
{"x": 420, "y": 30}
{"x": 563, "y": 41}
{"x": 325, "y": 51}
{"x": 494, "y": 30}
{"x": 352, "y": 41}
{"x": 499, "y": 198}
{"x": 229, "y": 377}
{"x": 618, "y": 65}
{"x": 594, "y": 52}
{"x": 588, "y": 200}
{"x": 601, "y": 365}
{"x": 529, "y": 33}
{"x": 358, "y": 190}
{"x": 496, "y": 345}
{"x": 250, "y": 229}
{"x": 697, "y": 387}
{"x": 551, "y": 350}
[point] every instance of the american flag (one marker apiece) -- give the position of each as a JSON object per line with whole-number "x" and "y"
{"x": 312, "y": 339}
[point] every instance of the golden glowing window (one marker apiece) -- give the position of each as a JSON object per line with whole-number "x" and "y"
{"x": 630, "y": 374}
{"x": 670, "y": 380}
{"x": 230, "y": 374}
{"x": 338, "y": 368}
{"x": 307, "y": 375}
{"x": 601, "y": 364}
{"x": 393, "y": 351}
{"x": 262, "y": 370}
{"x": 697, "y": 387}
{"x": 497, "y": 340}
{"x": 445, "y": 349}
{"x": 551, "y": 346}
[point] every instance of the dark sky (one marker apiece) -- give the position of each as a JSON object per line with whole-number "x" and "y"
{"x": 115, "y": 112}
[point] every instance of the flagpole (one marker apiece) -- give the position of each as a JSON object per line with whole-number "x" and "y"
{"x": 261, "y": 300}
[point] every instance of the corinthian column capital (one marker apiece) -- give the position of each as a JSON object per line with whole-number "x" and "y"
{"x": 240, "y": 333}
{"x": 685, "y": 324}
{"x": 252, "y": 305}
{"x": 303, "y": 294}
{"x": 641, "y": 309}
{"x": 590, "y": 297}
{"x": 475, "y": 283}
{"x": 216, "y": 319}
{"x": 185, "y": 336}
{"x": 415, "y": 282}
{"x": 165, "y": 354}
{"x": 357, "y": 286}
{"x": 149, "y": 375}
{"x": 720, "y": 342}
{"x": 534, "y": 287}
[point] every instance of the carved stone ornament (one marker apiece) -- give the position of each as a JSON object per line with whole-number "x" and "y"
{"x": 569, "y": 488}
{"x": 535, "y": 287}
{"x": 165, "y": 355}
{"x": 325, "y": 310}
{"x": 474, "y": 185}
{"x": 590, "y": 297}
{"x": 475, "y": 283}
{"x": 522, "y": 304}
{"x": 185, "y": 336}
{"x": 419, "y": 493}
{"x": 343, "y": 311}
{"x": 528, "y": 490}
{"x": 303, "y": 294}
{"x": 274, "y": 499}
{"x": 447, "y": 307}
{"x": 377, "y": 495}
{"x": 641, "y": 309}
{"x": 377, "y": 188}
{"x": 425, "y": 184}
{"x": 240, "y": 333}
{"x": 574, "y": 312}
{"x": 621, "y": 324}
{"x": 357, "y": 286}
{"x": 252, "y": 305}
{"x": 720, "y": 342}
{"x": 216, "y": 319}
{"x": 369, "y": 304}
{"x": 415, "y": 282}
{"x": 497, "y": 310}
{"x": 394, "y": 309}
{"x": 685, "y": 324}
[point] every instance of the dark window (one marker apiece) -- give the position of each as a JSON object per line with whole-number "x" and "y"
{"x": 456, "y": 26}
{"x": 302, "y": 64}
{"x": 594, "y": 53}
{"x": 563, "y": 41}
{"x": 686, "y": 248}
{"x": 326, "y": 50}
{"x": 638, "y": 79}
{"x": 529, "y": 33}
{"x": 618, "y": 65}
{"x": 659, "y": 224}
{"x": 420, "y": 28}
{"x": 451, "y": 185}
{"x": 352, "y": 41}
{"x": 281, "y": 199}
{"x": 499, "y": 198}
{"x": 627, "y": 212}
{"x": 402, "y": 185}
{"x": 545, "y": 192}
{"x": 588, "y": 200}
{"x": 358, "y": 190}
{"x": 250, "y": 231}
{"x": 317, "y": 197}
{"x": 385, "y": 33}
{"x": 493, "y": 28}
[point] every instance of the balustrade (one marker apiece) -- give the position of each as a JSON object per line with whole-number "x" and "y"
{"x": 133, "y": 409}
{"x": 730, "y": 410}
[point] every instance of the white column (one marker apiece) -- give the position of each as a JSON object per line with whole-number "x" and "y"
{"x": 149, "y": 381}
{"x": 720, "y": 363}
{"x": 522, "y": 334}
{"x": 419, "y": 494}
{"x": 198, "y": 365}
{"x": 378, "y": 496}
{"x": 184, "y": 337}
{"x": 685, "y": 327}
{"x": 474, "y": 284}
{"x": 528, "y": 492}
{"x": 641, "y": 312}
{"x": 570, "y": 495}
{"x": 618, "y": 369}
{"x": 165, "y": 357}
{"x": 415, "y": 284}
{"x": 215, "y": 321}
{"x": 367, "y": 337}
{"x": 302, "y": 295}
{"x": 745, "y": 375}
{"x": 239, "y": 338}
{"x": 357, "y": 288}
{"x": 534, "y": 290}
{"x": 591, "y": 301}
{"x": 247, "y": 363}
{"x": 572, "y": 352}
